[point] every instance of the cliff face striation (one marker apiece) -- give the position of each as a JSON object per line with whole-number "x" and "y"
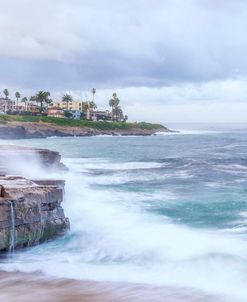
{"x": 30, "y": 210}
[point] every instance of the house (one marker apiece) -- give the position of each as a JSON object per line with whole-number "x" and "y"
{"x": 2, "y": 105}
{"x": 7, "y": 105}
{"x": 100, "y": 115}
{"x": 72, "y": 106}
{"x": 35, "y": 109}
{"x": 75, "y": 114}
{"x": 21, "y": 107}
{"x": 56, "y": 112}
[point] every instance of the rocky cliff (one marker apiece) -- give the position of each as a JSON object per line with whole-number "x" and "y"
{"x": 12, "y": 157}
{"x": 20, "y": 130}
{"x": 30, "y": 210}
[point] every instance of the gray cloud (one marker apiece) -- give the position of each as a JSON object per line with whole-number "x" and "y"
{"x": 77, "y": 44}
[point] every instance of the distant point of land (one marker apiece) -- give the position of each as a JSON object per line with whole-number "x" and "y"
{"x": 17, "y": 126}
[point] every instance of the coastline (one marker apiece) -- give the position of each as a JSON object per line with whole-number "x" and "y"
{"x": 27, "y": 130}
{"x": 20, "y": 286}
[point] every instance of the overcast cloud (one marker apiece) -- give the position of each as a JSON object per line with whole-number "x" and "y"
{"x": 166, "y": 55}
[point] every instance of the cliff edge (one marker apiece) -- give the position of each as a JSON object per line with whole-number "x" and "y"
{"x": 19, "y": 127}
{"x": 30, "y": 210}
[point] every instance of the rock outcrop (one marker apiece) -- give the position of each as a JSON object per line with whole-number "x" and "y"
{"x": 11, "y": 156}
{"x": 23, "y": 130}
{"x": 30, "y": 210}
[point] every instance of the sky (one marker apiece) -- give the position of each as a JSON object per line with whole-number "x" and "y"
{"x": 168, "y": 60}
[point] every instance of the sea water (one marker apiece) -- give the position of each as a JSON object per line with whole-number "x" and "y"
{"x": 166, "y": 210}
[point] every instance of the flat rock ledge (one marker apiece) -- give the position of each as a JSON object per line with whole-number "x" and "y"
{"x": 11, "y": 155}
{"x": 30, "y": 210}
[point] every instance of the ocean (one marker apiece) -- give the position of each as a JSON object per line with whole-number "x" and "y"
{"x": 167, "y": 210}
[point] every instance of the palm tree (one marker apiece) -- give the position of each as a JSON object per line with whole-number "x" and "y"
{"x": 32, "y": 98}
{"x": 66, "y": 99}
{"x": 92, "y": 105}
{"x": 17, "y": 95}
{"x": 41, "y": 97}
{"x": 84, "y": 107}
{"x": 49, "y": 102}
{"x": 6, "y": 93}
{"x": 93, "y": 92}
{"x": 113, "y": 103}
{"x": 24, "y": 100}
{"x": 88, "y": 109}
{"x": 118, "y": 113}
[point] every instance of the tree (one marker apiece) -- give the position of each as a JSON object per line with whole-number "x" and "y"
{"x": 24, "y": 100}
{"x": 41, "y": 97}
{"x": 66, "y": 99}
{"x": 87, "y": 106}
{"x": 6, "y": 93}
{"x": 118, "y": 113}
{"x": 49, "y": 102}
{"x": 113, "y": 103}
{"x": 92, "y": 105}
{"x": 93, "y": 92}
{"x": 17, "y": 95}
{"x": 32, "y": 98}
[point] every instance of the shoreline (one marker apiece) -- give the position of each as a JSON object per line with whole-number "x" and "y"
{"x": 22, "y": 287}
{"x": 26, "y": 130}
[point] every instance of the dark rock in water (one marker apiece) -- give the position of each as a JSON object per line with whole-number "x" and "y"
{"x": 30, "y": 213}
{"x": 30, "y": 210}
{"x": 12, "y": 132}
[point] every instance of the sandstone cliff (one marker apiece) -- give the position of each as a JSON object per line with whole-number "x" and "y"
{"x": 20, "y": 130}
{"x": 30, "y": 210}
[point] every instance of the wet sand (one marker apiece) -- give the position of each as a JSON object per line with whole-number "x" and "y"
{"x": 36, "y": 287}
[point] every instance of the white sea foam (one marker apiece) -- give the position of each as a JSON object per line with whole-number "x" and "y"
{"x": 122, "y": 171}
{"x": 104, "y": 164}
{"x": 188, "y": 132}
{"x": 114, "y": 239}
{"x": 219, "y": 184}
{"x": 232, "y": 169}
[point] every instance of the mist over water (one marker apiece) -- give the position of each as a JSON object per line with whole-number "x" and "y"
{"x": 168, "y": 210}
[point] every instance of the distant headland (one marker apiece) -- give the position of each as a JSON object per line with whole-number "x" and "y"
{"x": 40, "y": 116}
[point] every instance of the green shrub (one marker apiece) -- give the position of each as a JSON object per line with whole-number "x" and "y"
{"x": 99, "y": 125}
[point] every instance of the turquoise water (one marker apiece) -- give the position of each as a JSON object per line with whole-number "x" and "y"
{"x": 165, "y": 210}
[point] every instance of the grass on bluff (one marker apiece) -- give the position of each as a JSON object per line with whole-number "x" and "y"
{"x": 99, "y": 125}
